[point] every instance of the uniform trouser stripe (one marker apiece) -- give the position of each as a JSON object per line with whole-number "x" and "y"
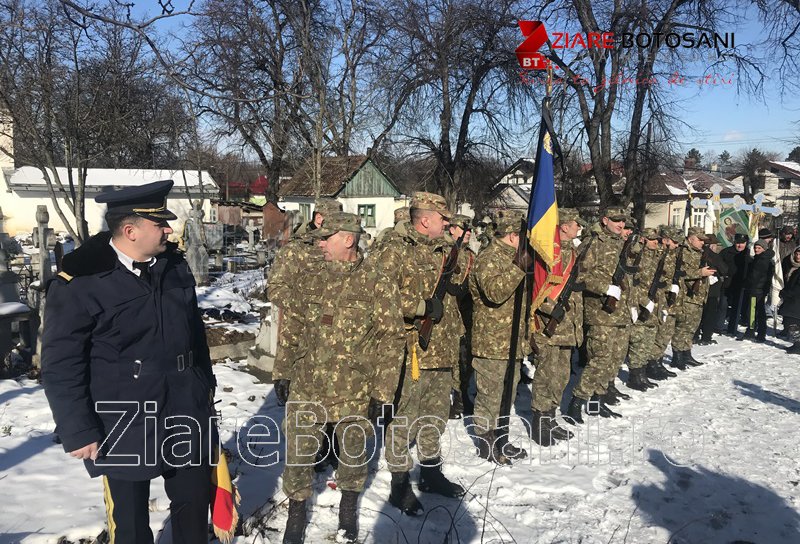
{"x": 109, "y": 500}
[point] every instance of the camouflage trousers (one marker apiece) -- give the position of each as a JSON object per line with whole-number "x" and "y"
{"x": 686, "y": 323}
{"x": 489, "y": 377}
{"x": 421, "y": 417}
{"x": 305, "y": 432}
{"x": 551, "y": 377}
{"x": 665, "y": 331}
{"x": 642, "y": 346}
{"x": 606, "y": 347}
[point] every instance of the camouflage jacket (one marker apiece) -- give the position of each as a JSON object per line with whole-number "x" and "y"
{"x": 641, "y": 284}
{"x": 352, "y": 337}
{"x": 492, "y": 283}
{"x": 297, "y": 263}
{"x": 389, "y": 234}
{"x": 691, "y": 268}
{"x": 570, "y": 331}
{"x": 598, "y": 268}
{"x": 666, "y": 278}
{"x": 414, "y": 262}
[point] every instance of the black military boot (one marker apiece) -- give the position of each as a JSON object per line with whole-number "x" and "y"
{"x": 456, "y": 406}
{"x": 610, "y": 397}
{"x": 540, "y": 430}
{"x": 657, "y": 371}
{"x": 402, "y": 496}
{"x": 556, "y": 431}
{"x": 689, "y": 360}
{"x": 636, "y": 379}
{"x": 508, "y": 449}
{"x": 679, "y": 360}
{"x": 432, "y": 480}
{"x": 603, "y": 409}
{"x": 612, "y": 388}
{"x": 575, "y": 410}
{"x": 296, "y": 524}
{"x": 348, "y": 517}
{"x": 793, "y": 336}
{"x": 485, "y": 442}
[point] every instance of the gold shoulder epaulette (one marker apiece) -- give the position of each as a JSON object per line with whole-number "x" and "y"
{"x": 65, "y": 276}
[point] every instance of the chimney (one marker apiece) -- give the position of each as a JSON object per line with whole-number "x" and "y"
{"x": 6, "y": 140}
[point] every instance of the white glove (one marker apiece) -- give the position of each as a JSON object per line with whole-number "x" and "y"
{"x": 614, "y": 291}
{"x": 650, "y": 306}
{"x": 634, "y": 315}
{"x": 664, "y": 316}
{"x": 712, "y": 280}
{"x": 675, "y": 288}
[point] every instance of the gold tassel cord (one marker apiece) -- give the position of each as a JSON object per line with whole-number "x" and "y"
{"x": 414, "y": 363}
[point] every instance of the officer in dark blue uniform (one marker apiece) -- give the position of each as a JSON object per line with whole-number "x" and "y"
{"x": 126, "y": 368}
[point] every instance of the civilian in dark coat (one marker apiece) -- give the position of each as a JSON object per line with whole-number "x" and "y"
{"x": 711, "y": 308}
{"x": 790, "y": 294}
{"x": 737, "y": 260}
{"x": 126, "y": 368}
{"x": 757, "y": 286}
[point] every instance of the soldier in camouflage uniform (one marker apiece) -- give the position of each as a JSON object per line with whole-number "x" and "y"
{"x": 641, "y": 348}
{"x": 498, "y": 271}
{"x": 401, "y": 219}
{"x": 671, "y": 238}
{"x": 693, "y": 292}
{"x": 414, "y": 263}
{"x": 607, "y": 333}
{"x": 350, "y": 312}
{"x": 296, "y": 263}
{"x": 458, "y": 288}
{"x": 554, "y": 353}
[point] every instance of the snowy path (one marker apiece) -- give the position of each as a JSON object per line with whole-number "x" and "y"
{"x": 709, "y": 456}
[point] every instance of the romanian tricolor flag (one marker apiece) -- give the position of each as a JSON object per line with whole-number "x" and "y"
{"x": 543, "y": 208}
{"x": 224, "y": 499}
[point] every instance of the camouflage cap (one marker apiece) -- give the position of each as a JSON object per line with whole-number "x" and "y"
{"x": 402, "y": 214}
{"x": 650, "y": 233}
{"x": 616, "y": 213}
{"x": 339, "y": 221}
{"x": 430, "y": 201}
{"x": 631, "y": 222}
{"x": 672, "y": 233}
{"x": 327, "y": 206}
{"x": 460, "y": 219}
{"x": 565, "y": 215}
{"x": 697, "y": 231}
{"x": 507, "y": 221}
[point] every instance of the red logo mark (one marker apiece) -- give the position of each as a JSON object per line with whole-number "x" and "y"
{"x": 528, "y": 51}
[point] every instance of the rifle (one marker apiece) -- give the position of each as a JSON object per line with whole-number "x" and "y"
{"x": 655, "y": 285}
{"x": 610, "y": 304}
{"x": 676, "y": 276}
{"x": 426, "y": 325}
{"x": 562, "y": 303}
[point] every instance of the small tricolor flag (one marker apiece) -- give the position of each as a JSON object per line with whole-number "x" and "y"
{"x": 224, "y": 499}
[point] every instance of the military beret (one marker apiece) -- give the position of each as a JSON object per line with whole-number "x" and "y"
{"x": 616, "y": 213}
{"x": 402, "y": 214}
{"x": 565, "y": 215}
{"x": 650, "y": 233}
{"x": 148, "y": 201}
{"x": 765, "y": 233}
{"x": 430, "y": 201}
{"x": 740, "y": 238}
{"x": 696, "y": 231}
{"x": 327, "y": 206}
{"x": 507, "y": 221}
{"x": 339, "y": 221}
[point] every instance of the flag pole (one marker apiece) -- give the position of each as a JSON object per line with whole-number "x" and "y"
{"x": 509, "y": 380}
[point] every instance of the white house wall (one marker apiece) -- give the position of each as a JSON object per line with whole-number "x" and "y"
{"x": 20, "y": 212}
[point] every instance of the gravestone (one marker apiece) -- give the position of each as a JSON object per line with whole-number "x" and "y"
{"x": 196, "y": 253}
{"x": 45, "y": 240}
{"x": 251, "y": 234}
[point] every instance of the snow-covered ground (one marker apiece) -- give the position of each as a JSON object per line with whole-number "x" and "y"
{"x": 709, "y": 456}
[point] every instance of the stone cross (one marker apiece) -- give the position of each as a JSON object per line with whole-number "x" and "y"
{"x": 45, "y": 240}
{"x": 251, "y": 234}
